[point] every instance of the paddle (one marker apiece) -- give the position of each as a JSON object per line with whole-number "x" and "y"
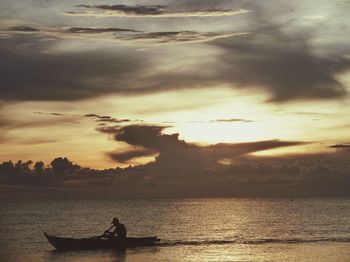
{"x": 104, "y": 233}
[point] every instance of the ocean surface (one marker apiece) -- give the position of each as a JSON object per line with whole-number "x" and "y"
{"x": 228, "y": 229}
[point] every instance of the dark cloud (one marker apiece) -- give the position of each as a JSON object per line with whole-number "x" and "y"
{"x": 89, "y": 30}
{"x": 97, "y": 118}
{"x": 223, "y": 150}
{"x": 282, "y": 63}
{"x": 124, "y": 35}
{"x": 229, "y": 120}
{"x": 107, "y": 119}
{"x": 129, "y": 36}
{"x": 176, "y": 37}
{"x": 340, "y": 146}
{"x": 315, "y": 114}
{"x": 283, "y": 66}
{"x": 127, "y": 9}
{"x": 23, "y": 28}
{"x": 34, "y": 75}
{"x": 173, "y": 151}
{"x": 49, "y": 114}
{"x": 150, "y": 11}
{"x": 157, "y": 37}
{"x": 126, "y": 156}
{"x": 146, "y": 136}
{"x": 72, "y": 30}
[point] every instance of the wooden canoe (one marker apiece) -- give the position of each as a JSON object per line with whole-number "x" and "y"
{"x": 64, "y": 243}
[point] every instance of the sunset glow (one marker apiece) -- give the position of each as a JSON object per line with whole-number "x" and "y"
{"x": 192, "y": 84}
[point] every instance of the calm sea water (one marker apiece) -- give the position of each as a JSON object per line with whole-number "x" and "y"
{"x": 190, "y": 229}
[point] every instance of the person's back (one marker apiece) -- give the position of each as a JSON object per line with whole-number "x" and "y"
{"x": 120, "y": 230}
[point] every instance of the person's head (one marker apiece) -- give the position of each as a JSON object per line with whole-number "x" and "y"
{"x": 115, "y": 221}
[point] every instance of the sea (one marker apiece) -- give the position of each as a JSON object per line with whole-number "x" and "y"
{"x": 222, "y": 229}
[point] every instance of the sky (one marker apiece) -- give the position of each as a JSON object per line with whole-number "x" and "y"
{"x": 179, "y": 85}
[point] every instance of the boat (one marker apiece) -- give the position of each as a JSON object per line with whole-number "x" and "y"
{"x": 64, "y": 243}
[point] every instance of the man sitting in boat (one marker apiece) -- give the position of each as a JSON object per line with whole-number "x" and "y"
{"x": 120, "y": 230}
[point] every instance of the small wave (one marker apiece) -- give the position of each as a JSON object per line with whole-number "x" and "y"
{"x": 196, "y": 243}
{"x": 295, "y": 240}
{"x": 254, "y": 241}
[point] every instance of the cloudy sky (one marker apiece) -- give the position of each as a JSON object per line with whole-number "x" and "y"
{"x": 174, "y": 83}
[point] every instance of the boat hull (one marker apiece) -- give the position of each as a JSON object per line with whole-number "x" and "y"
{"x": 63, "y": 243}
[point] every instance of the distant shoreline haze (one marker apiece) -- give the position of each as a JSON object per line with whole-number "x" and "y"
{"x": 65, "y": 179}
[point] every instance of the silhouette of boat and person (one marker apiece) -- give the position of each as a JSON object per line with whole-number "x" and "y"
{"x": 114, "y": 237}
{"x": 119, "y": 231}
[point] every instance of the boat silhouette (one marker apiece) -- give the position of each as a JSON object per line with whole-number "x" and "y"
{"x": 100, "y": 242}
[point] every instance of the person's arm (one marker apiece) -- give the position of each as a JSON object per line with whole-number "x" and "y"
{"x": 108, "y": 230}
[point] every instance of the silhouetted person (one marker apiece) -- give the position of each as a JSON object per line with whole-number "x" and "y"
{"x": 120, "y": 230}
